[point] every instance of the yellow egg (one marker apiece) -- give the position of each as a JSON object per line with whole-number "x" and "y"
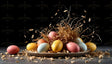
{"x": 91, "y": 46}
{"x": 57, "y": 45}
{"x": 31, "y": 47}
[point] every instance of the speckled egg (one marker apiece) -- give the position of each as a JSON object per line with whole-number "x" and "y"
{"x": 81, "y": 44}
{"x": 13, "y": 49}
{"x": 57, "y": 45}
{"x": 72, "y": 47}
{"x": 31, "y": 46}
{"x": 40, "y": 41}
{"x": 91, "y": 46}
{"x": 43, "y": 47}
{"x": 52, "y": 34}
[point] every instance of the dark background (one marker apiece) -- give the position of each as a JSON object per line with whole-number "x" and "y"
{"x": 17, "y": 16}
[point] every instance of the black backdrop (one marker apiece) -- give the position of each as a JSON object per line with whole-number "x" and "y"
{"x": 16, "y": 16}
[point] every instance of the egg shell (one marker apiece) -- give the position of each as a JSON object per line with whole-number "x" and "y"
{"x": 72, "y": 47}
{"x": 91, "y": 46}
{"x": 81, "y": 44}
{"x": 57, "y": 45}
{"x": 40, "y": 41}
{"x": 51, "y": 35}
{"x": 13, "y": 49}
{"x": 31, "y": 46}
{"x": 43, "y": 47}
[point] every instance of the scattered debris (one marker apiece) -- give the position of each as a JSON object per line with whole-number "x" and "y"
{"x": 86, "y": 61}
{"x": 72, "y": 62}
{"x": 35, "y": 61}
{"x": 99, "y": 61}
{"x": 17, "y": 61}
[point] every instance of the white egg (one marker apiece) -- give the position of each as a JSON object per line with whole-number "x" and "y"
{"x": 81, "y": 44}
{"x": 43, "y": 47}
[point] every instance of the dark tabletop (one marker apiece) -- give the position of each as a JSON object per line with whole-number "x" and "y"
{"x": 96, "y": 60}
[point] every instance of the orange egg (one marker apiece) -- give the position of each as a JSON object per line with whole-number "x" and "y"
{"x": 41, "y": 41}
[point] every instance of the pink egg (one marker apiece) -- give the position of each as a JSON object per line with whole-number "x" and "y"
{"x": 72, "y": 47}
{"x": 52, "y": 34}
{"x": 13, "y": 49}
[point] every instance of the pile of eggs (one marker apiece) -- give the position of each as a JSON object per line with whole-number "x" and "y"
{"x": 43, "y": 46}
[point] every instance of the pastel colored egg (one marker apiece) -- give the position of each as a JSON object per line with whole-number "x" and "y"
{"x": 43, "y": 47}
{"x": 40, "y": 41}
{"x": 52, "y": 34}
{"x": 81, "y": 44}
{"x": 57, "y": 45}
{"x": 13, "y": 49}
{"x": 91, "y": 46}
{"x": 31, "y": 46}
{"x": 72, "y": 47}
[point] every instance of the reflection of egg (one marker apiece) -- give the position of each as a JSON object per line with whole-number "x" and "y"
{"x": 13, "y": 49}
{"x": 57, "y": 45}
{"x": 43, "y": 47}
{"x": 52, "y": 34}
{"x": 40, "y": 41}
{"x": 72, "y": 47}
{"x": 31, "y": 46}
{"x": 81, "y": 44}
{"x": 91, "y": 46}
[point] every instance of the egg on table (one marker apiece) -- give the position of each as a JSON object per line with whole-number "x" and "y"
{"x": 40, "y": 41}
{"x": 91, "y": 46}
{"x": 81, "y": 44}
{"x": 43, "y": 47}
{"x": 13, "y": 49}
{"x": 31, "y": 46}
{"x": 57, "y": 46}
{"x": 72, "y": 47}
{"x": 52, "y": 34}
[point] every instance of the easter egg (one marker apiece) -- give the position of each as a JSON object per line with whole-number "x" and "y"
{"x": 43, "y": 47}
{"x": 31, "y": 47}
{"x": 91, "y": 46}
{"x": 81, "y": 44}
{"x": 52, "y": 34}
{"x": 40, "y": 41}
{"x": 13, "y": 49}
{"x": 72, "y": 47}
{"x": 57, "y": 45}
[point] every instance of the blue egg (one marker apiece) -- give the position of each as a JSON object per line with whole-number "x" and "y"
{"x": 81, "y": 44}
{"x": 43, "y": 47}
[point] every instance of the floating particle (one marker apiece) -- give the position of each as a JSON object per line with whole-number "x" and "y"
{"x": 85, "y": 11}
{"x": 24, "y": 36}
{"x": 51, "y": 17}
{"x": 83, "y": 16}
{"x": 84, "y": 21}
{"x": 31, "y": 29}
{"x": 89, "y": 20}
{"x": 65, "y": 10}
{"x": 56, "y": 13}
{"x": 32, "y": 36}
{"x": 36, "y": 31}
